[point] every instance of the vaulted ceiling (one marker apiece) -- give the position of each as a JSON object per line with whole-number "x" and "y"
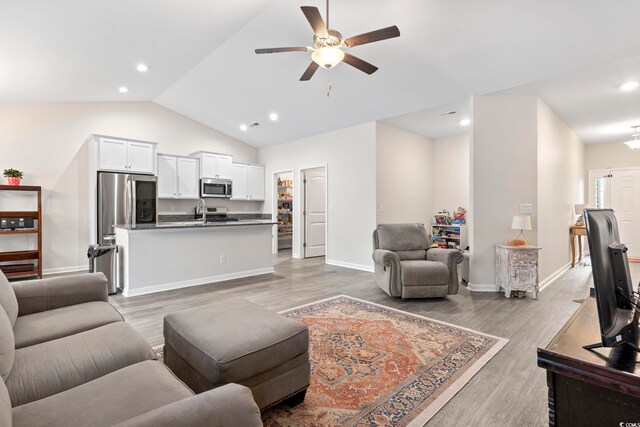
{"x": 203, "y": 65}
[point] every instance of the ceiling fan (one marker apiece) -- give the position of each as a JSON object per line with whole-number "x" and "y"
{"x": 328, "y": 44}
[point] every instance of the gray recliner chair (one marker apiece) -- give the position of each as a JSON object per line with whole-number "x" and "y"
{"x": 406, "y": 266}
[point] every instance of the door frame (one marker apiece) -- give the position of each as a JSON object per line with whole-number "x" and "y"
{"x": 274, "y": 206}
{"x": 298, "y": 213}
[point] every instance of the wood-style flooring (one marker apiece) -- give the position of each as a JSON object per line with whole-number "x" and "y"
{"x": 509, "y": 391}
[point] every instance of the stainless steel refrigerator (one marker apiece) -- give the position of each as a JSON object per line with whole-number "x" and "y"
{"x": 123, "y": 199}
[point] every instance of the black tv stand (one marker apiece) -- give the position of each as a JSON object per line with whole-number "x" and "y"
{"x": 592, "y": 347}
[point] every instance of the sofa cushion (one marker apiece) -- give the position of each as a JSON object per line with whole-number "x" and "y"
{"x": 424, "y": 273}
{"x": 113, "y": 398}
{"x": 5, "y": 406}
{"x": 7, "y": 345}
{"x": 234, "y": 340}
{"x": 61, "y": 322}
{"x": 8, "y": 299}
{"x": 51, "y": 367}
{"x": 403, "y": 237}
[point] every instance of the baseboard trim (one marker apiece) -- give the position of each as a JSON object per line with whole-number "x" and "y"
{"x": 350, "y": 265}
{"x": 195, "y": 282}
{"x": 475, "y": 287}
{"x": 553, "y": 277}
{"x": 70, "y": 269}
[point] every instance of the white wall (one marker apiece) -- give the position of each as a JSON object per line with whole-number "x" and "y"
{"x": 503, "y": 153}
{"x": 561, "y": 172}
{"x": 404, "y": 176}
{"x": 450, "y": 170}
{"x": 350, "y": 157}
{"x": 610, "y": 155}
{"x": 46, "y": 142}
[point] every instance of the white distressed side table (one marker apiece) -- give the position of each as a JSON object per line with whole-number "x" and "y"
{"x": 517, "y": 269}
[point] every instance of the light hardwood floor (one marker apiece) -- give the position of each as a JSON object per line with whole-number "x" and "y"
{"x": 509, "y": 391}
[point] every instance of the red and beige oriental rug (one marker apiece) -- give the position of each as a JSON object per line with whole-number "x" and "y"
{"x": 376, "y": 366}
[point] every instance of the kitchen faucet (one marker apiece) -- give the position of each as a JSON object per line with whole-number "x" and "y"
{"x": 204, "y": 210}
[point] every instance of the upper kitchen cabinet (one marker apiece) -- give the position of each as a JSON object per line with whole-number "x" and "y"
{"x": 178, "y": 177}
{"x": 248, "y": 182}
{"x": 121, "y": 155}
{"x": 215, "y": 165}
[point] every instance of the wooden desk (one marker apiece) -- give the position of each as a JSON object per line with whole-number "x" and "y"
{"x": 584, "y": 389}
{"x": 577, "y": 231}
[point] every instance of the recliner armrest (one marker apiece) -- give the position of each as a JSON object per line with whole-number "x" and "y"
{"x": 451, "y": 257}
{"x": 229, "y": 405}
{"x": 39, "y": 295}
{"x": 386, "y": 258}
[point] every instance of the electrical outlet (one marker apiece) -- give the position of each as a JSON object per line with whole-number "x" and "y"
{"x": 223, "y": 259}
{"x": 526, "y": 208}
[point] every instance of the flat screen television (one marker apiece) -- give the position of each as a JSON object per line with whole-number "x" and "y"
{"x": 617, "y": 304}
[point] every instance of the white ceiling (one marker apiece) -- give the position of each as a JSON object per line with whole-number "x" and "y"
{"x": 203, "y": 65}
{"x": 435, "y": 122}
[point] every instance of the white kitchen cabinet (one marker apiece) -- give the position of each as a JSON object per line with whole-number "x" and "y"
{"x": 256, "y": 182}
{"x": 216, "y": 165}
{"x": 126, "y": 156}
{"x": 188, "y": 178}
{"x": 178, "y": 177}
{"x": 248, "y": 182}
{"x": 240, "y": 181}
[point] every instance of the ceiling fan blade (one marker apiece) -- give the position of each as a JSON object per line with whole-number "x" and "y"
{"x": 311, "y": 69}
{"x": 315, "y": 19}
{"x": 281, "y": 49}
{"x": 373, "y": 36}
{"x": 358, "y": 63}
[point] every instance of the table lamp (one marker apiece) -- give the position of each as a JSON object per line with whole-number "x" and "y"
{"x": 520, "y": 222}
{"x": 578, "y": 211}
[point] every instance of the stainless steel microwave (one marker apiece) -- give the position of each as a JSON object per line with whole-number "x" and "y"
{"x": 220, "y": 188}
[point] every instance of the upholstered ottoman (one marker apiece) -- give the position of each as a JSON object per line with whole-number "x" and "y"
{"x": 236, "y": 341}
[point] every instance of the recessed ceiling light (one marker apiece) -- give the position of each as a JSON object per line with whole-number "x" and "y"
{"x": 143, "y": 68}
{"x": 273, "y": 117}
{"x": 123, "y": 89}
{"x": 628, "y": 86}
{"x": 243, "y": 128}
{"x": 464, "y": 122}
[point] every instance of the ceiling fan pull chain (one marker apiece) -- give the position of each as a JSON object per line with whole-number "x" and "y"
{"x": 329, "y": 90}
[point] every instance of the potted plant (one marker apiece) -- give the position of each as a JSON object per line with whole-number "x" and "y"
{"x": 13, "y": 176}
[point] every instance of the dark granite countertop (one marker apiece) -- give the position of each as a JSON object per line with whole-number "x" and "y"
{"x": 193, "y": 224}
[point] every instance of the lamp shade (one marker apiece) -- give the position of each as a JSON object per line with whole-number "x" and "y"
{"x": 579, "y": 208}
{"x": 521, "y": 222}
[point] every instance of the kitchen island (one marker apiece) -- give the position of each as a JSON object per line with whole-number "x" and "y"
{"x": 155, "y": 258}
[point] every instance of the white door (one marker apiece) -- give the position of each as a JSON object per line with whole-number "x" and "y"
{"x": 239, "y": 182}
{"x": 625, "y": 201}
{"x": 208, "y": 165}
{"x": 188, "y": 174}
{"x": 224, "y": 167}
{"x": 167, "y": 172}
{"x": 315, "y": 212}
{"x": 113, "y": 155}
{"x": 256, "y": 182}
{"x": 140, "y": 157}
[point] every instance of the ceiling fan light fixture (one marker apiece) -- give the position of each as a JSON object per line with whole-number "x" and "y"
{"x": 634, "y": 144}
{"x": 328, "y": 56}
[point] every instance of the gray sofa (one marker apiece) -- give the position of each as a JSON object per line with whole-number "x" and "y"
{"x": 68, "y": 359}
{"x": 405, "y": 266}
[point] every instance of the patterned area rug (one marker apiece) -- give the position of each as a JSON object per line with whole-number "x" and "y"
{"x": 376, "y": 366}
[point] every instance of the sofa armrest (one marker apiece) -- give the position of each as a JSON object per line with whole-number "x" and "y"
{"x": 450, "y": 257}
{"x": 229, "y": 405}
{"x": 47, "y": 294}
{"x": 386, "y": 258}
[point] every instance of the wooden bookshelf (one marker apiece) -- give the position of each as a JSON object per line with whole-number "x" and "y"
{"x": 12, "y": 263}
